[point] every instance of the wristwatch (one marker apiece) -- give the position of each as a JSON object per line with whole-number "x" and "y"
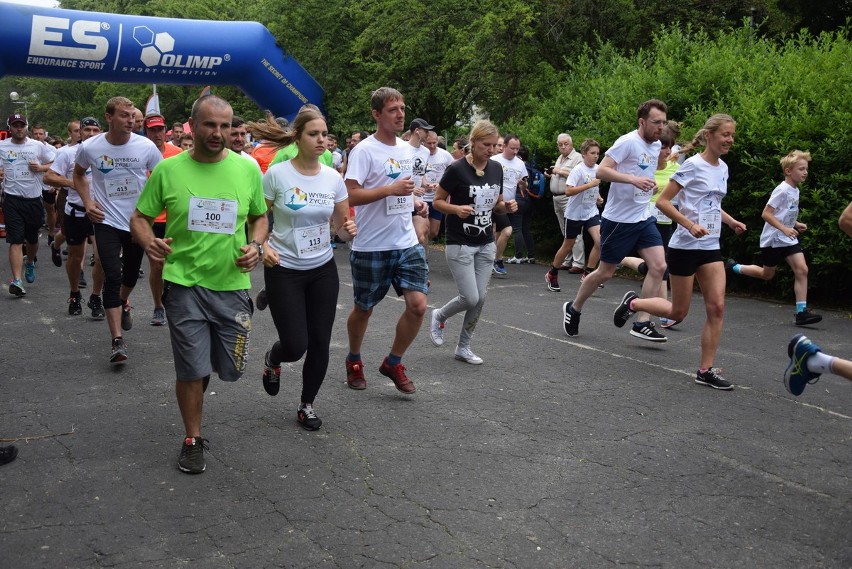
{"x": 258, "y": 246}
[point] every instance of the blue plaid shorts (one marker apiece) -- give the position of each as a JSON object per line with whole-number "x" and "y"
{"x": 373, "y": 273}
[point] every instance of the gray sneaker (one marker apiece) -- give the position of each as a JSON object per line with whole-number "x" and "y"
{"x": 119, "y": 351}
{"x": 159, "y": 317}
{"x": 713, "y": 378}
{"x": 191, "y": 459}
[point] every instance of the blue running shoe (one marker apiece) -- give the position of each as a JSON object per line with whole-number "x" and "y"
{"x": 16, "y": 287}
{"x": 29, "y": 272}
{"x": 797, "y": 375}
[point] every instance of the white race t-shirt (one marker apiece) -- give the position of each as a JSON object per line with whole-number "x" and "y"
{"x": 584, "y": 205}
{"x": 18, "y": 179}
{"x": 785, "y": 201}
{"x": 64, "y": 166}
{"x": 435, "y": 167}
{"x": 385, "y": 224}
{"x": 514, "y": 171}
{"x": 420, "y": 156}
{"x": 703, "y": 187}
{"x": 634, "y": 156}
{"x": 118, "y": 174}
{"x": 302, "y": 206}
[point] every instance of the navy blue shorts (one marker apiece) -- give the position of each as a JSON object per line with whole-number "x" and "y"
{"x": 573, "y": 228}
{"x": 685, "y": 262}
{"x": 618, "y": 239}
{"x": 373, "y": 273}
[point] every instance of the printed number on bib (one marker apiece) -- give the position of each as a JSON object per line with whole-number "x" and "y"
{"x": 398, "y": 205}
{"x": 209, "y": 215}
{"x": 484, "y": 200}
{"x": 313, "y": 239}
{"x": 122, "y": 188}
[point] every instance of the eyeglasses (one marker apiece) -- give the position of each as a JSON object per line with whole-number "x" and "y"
{"x": 474, "y": 230}
{"x": 659, "y": 122}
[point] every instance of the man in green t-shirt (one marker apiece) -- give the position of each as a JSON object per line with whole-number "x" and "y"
{"x": 211, "y": 196}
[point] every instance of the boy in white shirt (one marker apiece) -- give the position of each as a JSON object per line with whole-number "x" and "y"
{"x": 779, "y": 238}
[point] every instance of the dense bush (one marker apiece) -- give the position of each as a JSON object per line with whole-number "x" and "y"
{"x": 784, "y": 95}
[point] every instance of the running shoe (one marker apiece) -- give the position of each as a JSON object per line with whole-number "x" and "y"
{"x": 552, "y": 282}
{"x": 499, "y": 269}
{"x": 623, "y": 312}
{"x": 647, "y": 331}
{"x": 126, "y": 316}
{"x": 16, "y": 287}
{"x": 159, "y": 317}
{"x": 29, "y": 272}
{"x": 729, "y": 267}
{"x": 8, "y": 454}
{"x": 530, "y": 261}
{"x": 191, "y": 459}
{"x": 56, "y": 256}
{"x": 98, "y": 312}
{"x": 119, "y": 351}
{"x": 516, "y": 260}
{"x": 436, "y": 329}
{"x": 806, "y": 318}
{"x": 82, "y": 282}
{"x": 797, "y": 375}
{"x": 397, "y": 374}
{"x": 713, "y": 378}
{"x": 467, "y": 356}
{"x": 355, "y": 375}
{"x": 75, "y": 307}
{"x": 571, "y": 319}
{"x": 261, "y": 302}
{"x": 271, "y": 375}
{"x": 667, "y": 323}
{"x": 307, "y": 417}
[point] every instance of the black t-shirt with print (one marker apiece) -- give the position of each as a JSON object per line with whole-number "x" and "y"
{"x": 466, "y": 188}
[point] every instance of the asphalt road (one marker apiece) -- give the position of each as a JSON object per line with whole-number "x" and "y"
{"x": 593, "y": 451}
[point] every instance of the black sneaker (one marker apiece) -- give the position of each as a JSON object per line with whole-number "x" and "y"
{"x": 571, "y": 319}
{"x": 623, "y": 313}
{"x": 647, "y": 331}
{"x": 191, "y": 459}
{"x": 75, "y": 307}
{"x": 119, "y": 351}
{"x": 261, "y": 301}
{"x": 712, "y": 378}
{"x": 8, "y": 454}
{"x": 307, "y": 417}
{"x": 56, "y": 256}
{"x": 806, "y": 318}
{"x": 552, "y": 281}
{"x": 126, "y": 316}
{"x": 271, "y": 376}
{"x": 97, "y": 307}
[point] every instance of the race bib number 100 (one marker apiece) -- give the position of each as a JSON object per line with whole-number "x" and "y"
{"x": 212, "y": 216}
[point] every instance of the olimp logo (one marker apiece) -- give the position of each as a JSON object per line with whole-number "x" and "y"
{"x": 157, "y": 51}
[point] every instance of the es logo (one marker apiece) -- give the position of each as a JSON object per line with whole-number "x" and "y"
{"x": 62, "y": 38}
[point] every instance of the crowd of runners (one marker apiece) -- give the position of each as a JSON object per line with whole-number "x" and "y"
{"x": 206, "y": 208}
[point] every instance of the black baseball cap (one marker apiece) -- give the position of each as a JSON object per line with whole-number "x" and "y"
{"x": 420, "y": 123}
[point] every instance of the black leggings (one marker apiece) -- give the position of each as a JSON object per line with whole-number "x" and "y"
{"x": 303, "y": 305}
{"x": 120, "y": 258}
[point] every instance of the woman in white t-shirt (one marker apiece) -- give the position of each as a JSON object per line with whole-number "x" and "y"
{"x": 299, "y": 269}
{"x": 700, "y": 183}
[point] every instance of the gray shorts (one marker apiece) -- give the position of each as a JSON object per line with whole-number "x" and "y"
{"x": 209, "y": 331}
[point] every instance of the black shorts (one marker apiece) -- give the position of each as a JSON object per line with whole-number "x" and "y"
{"x": 501, "y": 221}
{"x": 574, "y": 228}
{"x": 685, "y": 262}
{"x": 77, "y": 228}
{"x": 772, "y": 256}
{"x": 23, "y": 219}
{"x": 49, "y": 196}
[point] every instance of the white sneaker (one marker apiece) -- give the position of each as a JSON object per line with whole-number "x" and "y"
{"x": 516, "y": 260}
{"x": 436, "y": 329}
{"x": 465, "y": 355}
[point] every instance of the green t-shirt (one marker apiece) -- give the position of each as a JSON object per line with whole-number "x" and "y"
{"x": 217, "y": 196}
{"x": 291, "y": 150}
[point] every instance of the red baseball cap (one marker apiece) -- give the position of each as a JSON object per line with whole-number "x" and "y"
{"x": 154, "y": 120}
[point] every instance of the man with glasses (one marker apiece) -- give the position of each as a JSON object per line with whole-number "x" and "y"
{"x": 627, "y": 224}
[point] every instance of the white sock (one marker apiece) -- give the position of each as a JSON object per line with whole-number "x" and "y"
{"x": 820, "y": 363}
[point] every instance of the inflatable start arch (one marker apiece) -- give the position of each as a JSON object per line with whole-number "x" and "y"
{"x": 94, "y": 46}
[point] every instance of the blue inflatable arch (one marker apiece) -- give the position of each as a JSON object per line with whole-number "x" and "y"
{"x": 94, "y": 46}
